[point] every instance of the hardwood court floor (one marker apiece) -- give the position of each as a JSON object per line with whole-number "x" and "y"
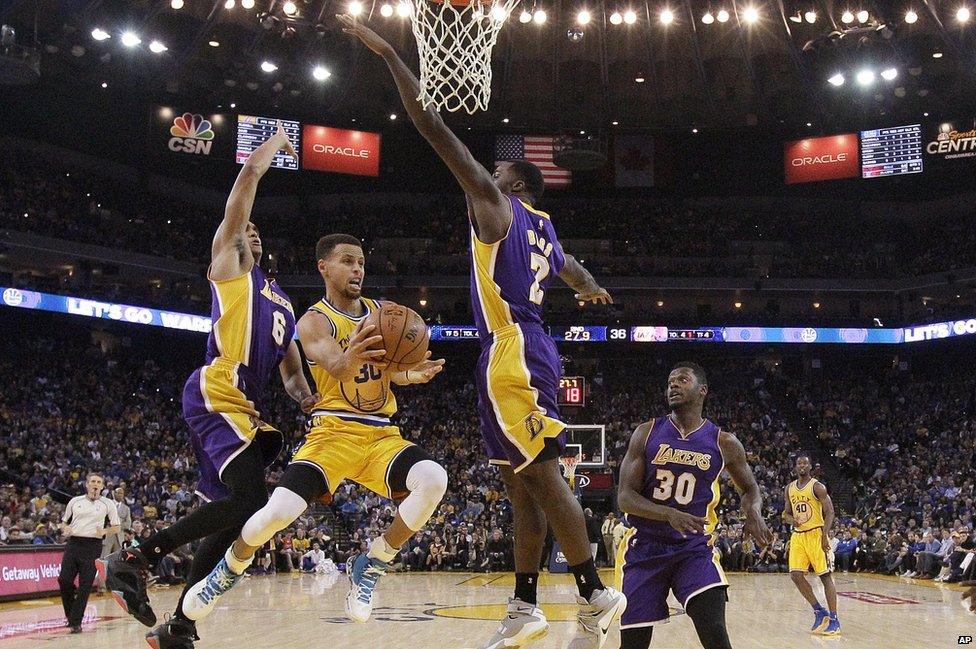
{"x": 456, "y": 610}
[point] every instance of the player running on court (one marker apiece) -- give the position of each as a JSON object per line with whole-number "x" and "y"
{"x": 669, "y": 488}
{"x": 253, "y": 331}
{"x": 811, "y": 512}
{"x": 515, "y": 254}
{"x": 351, "y": 437}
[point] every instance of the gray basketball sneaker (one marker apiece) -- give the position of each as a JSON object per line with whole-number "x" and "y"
{"x": 523, "y": 625}
{"x": 596, "y": 616}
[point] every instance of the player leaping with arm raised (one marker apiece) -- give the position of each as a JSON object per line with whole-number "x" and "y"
{"x": 489, "y": 208}
{"x": 515, "y": 253}
{"x": 253, "y": 331}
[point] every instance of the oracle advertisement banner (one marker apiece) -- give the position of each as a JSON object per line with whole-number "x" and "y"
{"x": 29, "y": 572}
{"x": 338, "y": 150}
{"x": 821, "y": 158}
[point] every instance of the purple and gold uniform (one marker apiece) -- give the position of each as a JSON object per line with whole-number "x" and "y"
{"x": 680, "y": 472}
{"x": 351, "y": 435}
{"x": 253, "y": 325}
{"x": 518, "y": 370}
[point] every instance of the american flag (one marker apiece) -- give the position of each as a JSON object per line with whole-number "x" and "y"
{"x": 537, "y": 149}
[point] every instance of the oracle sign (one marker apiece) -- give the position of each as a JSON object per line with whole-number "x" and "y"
{"x": 29, "y": 571}
{"x": 821, "y": 158}
{"x": 341, "y": 151}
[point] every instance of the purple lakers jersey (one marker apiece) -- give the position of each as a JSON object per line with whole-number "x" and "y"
{"x": 509, "y": 278}
{"x": 253, "y": 324}
{"x": 680, "y": 472}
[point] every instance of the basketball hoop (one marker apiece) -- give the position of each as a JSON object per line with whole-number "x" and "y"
{"x": 454, "y": 41}
{"x": 569, "y": 464}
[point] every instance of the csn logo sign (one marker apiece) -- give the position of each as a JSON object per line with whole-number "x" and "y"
{"x": 191, "y": 133}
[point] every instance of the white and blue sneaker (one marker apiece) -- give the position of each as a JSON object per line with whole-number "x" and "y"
{"x": 202, "y": 596}
{"x": 364, "y": 572}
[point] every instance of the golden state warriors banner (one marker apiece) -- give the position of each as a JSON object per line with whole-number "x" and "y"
{"x": 192, "y": 135}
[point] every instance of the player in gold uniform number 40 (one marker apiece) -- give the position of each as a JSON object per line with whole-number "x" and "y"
{"x": 811, "y": 512}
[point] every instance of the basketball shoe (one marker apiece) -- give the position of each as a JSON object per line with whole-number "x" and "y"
{"x": 820, "y": 619}
{"x": 126, "y": 575}
{"x": 523, "y": 625}
{"x": 364, "y": 572}
{"x": 596, "y": 616}
{"x": 174, "y": 633}
{"x": 202, "y": 596}
{"x": 833, "y": 626}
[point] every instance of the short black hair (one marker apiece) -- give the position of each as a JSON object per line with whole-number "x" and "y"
{"x": 695, "y": 368}
{"x": 797, "y": 458}
{"x": 531, "y": 175}
{"x": 327, "y": 244}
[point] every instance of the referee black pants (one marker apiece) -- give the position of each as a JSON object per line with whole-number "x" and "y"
{"x": 78, "y": 561}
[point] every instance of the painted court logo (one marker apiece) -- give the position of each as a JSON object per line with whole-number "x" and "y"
{"x": 191, "y": 134}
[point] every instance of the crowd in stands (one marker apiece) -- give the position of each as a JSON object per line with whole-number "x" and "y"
{"x": 648, "y": 237}
{"x": 896, "y": 448}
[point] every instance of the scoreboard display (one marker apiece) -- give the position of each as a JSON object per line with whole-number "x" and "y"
{"x": 572, "y": 391}
{"x": 253, "y": 131}
{"x": 891, "y": 151}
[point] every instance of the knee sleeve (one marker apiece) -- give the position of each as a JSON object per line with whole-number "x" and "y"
{"x": 282, "y": 508}
{"x": 636, "y": 637}
{"x": 426, "y": 481}
{"x": 707, "y": 612}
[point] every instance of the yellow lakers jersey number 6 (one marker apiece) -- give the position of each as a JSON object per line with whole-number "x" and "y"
{"x": 807, "y": 509}
{"x": 368, "y": 392}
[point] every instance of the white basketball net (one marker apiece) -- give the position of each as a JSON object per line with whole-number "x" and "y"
{"x": 569, "y": 462}
{"x": 455, "y": 45}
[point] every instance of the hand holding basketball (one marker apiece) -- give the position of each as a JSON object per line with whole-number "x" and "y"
{"x": 364, "y": 347}
{"x": 425, "y": 370}
{"x": 370, "y": 39}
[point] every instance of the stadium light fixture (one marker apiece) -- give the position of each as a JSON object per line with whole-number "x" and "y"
{"x": 176, "y": 4}
{"x": 247, "y": 4}
{"x": 100, "y": 34}
{"x": 796, "y": 18}
{"x": 865, "y": 77}
{"x": 540, "y": 17}
{"x": 639, "y": 80}
{"x": 214, "y": 43}
{"x": 962, "y": 15}
{"x": 268, "y": 66}
{"x": 320, "y": 73}
{"x": 233, "y": 105}
{"x": 695, "y": 131}
{"x": 525, "y": 17}
{"x": 403, "y": 9}
{"x": 230, "y": 4}
{"x": 708, "y": 18}
{"x": 104, "y": 85}
{"x": 157, "y": 47}
{"x": 505, "y": 120}
{"x": 615, "y": 123}
{"x": 498, "y": 13}
{"x": 750, "y": 15}
{"x": 630, "y": 16}
{"x": 847, "y": 17}
{"x": 810, "y": 16}
{"x": 666, "y": 17}
{"x": 737, "y": 305}
{"x": 290, "y": 8}
{"x": 392, "y": 117}
{"x": 584, "y": 17}
{"x": 911, "y": 17}
{"x": 355, "y": 8}
{"x": 889, "y": 74}
{"x": 837, "y": 80}
{"x": 936, "y": 55}
{"x": 862, "y": 16}
{"x": 616, "y": 18}
{"x": 130, "y": 39}
{"x": 723, "y": 16}
{"x": 386, "y": 10}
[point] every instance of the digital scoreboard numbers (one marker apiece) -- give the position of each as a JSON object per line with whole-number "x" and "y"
{"x": 707, "y": 335}
{"x": 579, "y": 334}
{"x": 891, "y": 151}
{"x": 254, "y": 131}
{"x": 572, "y": 391}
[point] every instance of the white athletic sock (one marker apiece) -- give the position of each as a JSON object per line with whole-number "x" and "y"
{"x": 382, "y": 550}
{"x": 238, "y": 566}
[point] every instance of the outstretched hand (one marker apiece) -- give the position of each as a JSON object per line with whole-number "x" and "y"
{"x": 598, "y": 296}
{"x": 284, "y": 142}
{"x": 370, "y": 39}
{"x": 425, "y": 370}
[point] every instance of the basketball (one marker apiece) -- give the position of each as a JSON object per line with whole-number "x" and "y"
{"x": 405, "y": 335}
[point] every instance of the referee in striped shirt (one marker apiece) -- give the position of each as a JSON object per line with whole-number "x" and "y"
{"x": 84, "y": 523}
